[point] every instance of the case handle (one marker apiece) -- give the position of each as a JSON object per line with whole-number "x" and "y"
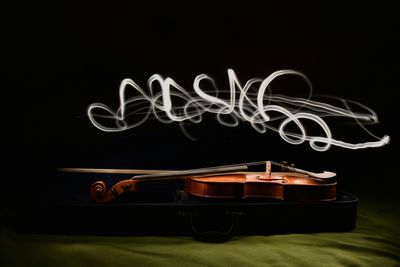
{"x": 213, "y": 236}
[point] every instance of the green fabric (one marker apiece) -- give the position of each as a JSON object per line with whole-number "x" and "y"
{"x": 374, "y": 242}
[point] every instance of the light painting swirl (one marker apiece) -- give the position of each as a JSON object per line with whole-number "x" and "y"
{"x": 253, "y": 103}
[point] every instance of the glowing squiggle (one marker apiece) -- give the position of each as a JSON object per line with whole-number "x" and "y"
{"x": 248, "y": 107}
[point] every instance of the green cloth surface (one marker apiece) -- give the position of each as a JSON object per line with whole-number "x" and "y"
{"x": 374, "y": 242}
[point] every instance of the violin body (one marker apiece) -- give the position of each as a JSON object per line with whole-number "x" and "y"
{"x": 278, "y": 185}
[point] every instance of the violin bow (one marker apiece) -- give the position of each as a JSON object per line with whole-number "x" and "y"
{"x": 160, "y": 173}
{"x": 114, "y": 171}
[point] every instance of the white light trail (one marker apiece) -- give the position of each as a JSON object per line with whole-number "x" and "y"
{"x": 242, "y": 106}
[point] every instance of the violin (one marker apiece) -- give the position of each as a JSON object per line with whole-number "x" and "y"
{"x": 228, "y": 182}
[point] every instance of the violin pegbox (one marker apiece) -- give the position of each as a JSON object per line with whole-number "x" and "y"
{"x": 99, "y": 192}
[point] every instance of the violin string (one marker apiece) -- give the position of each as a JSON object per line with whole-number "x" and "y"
{"x": 242, "y": 166}
{"x": 218, "y": 169}
{"x": 254, "y": 163}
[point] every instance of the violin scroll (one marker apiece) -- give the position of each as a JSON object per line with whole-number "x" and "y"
{"x": 98, "y": 191}
{"x": 100, "y": 194}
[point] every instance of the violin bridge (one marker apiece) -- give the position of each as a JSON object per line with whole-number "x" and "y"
{"x": 268, "y": 168}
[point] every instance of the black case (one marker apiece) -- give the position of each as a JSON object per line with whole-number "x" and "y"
{"x": 171, "y": 212}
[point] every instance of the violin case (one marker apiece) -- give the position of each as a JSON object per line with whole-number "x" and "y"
{"x": 166, "y": 210}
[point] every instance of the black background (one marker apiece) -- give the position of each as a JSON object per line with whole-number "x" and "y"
{"x": 59, "y": 58}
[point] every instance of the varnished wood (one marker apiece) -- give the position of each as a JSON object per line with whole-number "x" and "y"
{"x": 280, "y": 185}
